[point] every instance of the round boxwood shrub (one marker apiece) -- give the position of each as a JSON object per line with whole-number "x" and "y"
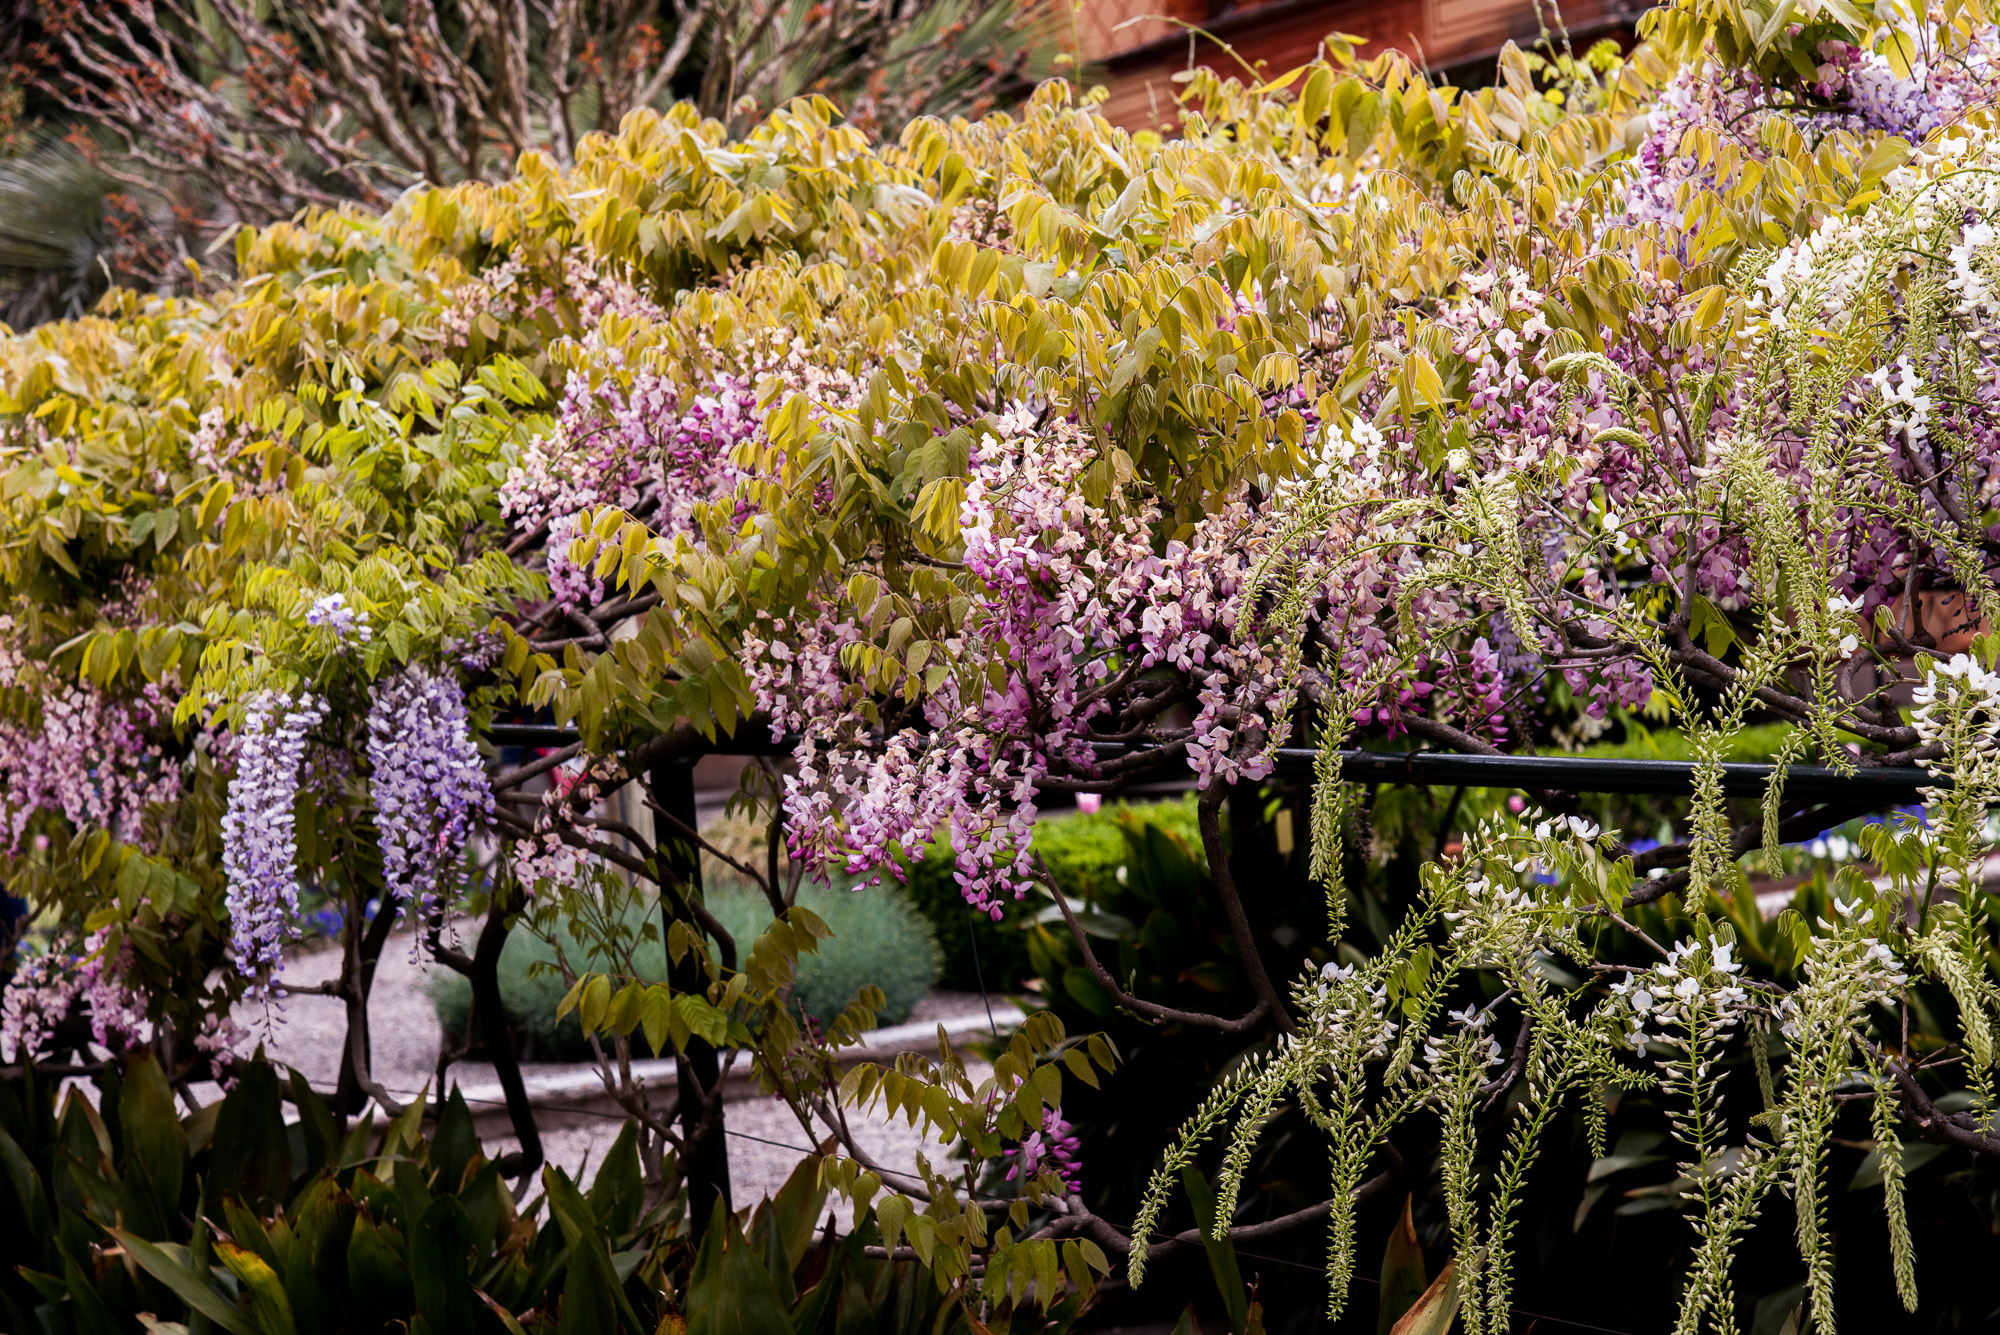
{"x": 878, "y": 937}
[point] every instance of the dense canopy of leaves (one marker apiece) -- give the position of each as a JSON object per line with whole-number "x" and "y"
{"x": 1025, "y": 456}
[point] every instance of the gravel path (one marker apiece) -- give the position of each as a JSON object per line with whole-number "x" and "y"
{"x": 765, "y": 1141}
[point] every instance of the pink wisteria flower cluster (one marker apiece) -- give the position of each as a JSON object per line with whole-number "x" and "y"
{"x": 48, "y": 985}
{"x": 73, "y": 750}
{"x": 1076, "y": 609}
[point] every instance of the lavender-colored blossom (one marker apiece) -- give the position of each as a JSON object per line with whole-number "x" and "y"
{"x": 259, "y": 848}
{"x": 333, "y": 613}
{"x": 429, "y": 785}
{"x": 46, "y": 987}
{"x": 621, "y": 441}
{"x": 220, "y": 1039}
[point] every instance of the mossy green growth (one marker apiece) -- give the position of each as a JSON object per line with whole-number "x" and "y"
{"x": 878, "y": 937}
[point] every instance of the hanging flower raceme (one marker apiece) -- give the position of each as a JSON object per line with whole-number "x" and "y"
{"x": 37, "y": 999}
{"x": 116, "y": 1010}
{"x": 1691, "y": 996}
{"x": 340, "y": 620}
{"x": 259, "y": 843}
{"x": 545, "y": 859}
{"x": 1069, "y": 601}
{"x": 1348, "y": 1011}
{"x": 88, "y": 756}
{"x": 46, "y": 987}
{"x": 429, "y": 786}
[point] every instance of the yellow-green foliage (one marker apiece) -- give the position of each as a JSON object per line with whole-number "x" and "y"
{"x": 181, "y": 479}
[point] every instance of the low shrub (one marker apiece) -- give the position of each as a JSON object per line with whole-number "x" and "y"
{"x": 878, "y": 937}
{"x": 1084, "y": 851}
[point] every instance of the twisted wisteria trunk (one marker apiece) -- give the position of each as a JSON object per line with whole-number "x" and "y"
{"x": 697, "y": 1068}
{"x": 363, "y": 945}
{"x": 486, "y": 1003}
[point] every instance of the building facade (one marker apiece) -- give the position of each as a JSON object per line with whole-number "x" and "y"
{"x": 1135, "y": 46}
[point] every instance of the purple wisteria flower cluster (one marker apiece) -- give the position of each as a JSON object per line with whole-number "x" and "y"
{"x": 117, "y": 1011}
{"x": 1055, "y": 1148}
{"x": 1861, "y": 92}
{"x": 1074, "y": 604}
{"x": 1933, "y": 93}
{"x": 259, "y": 842}
{"x": 342, "y": 621}
{"x": 429, "y": 785}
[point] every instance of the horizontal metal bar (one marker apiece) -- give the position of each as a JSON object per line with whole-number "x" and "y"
{"x": 531, "y": 734}
{"x": 1592, "y": 774}
{"x": 1445, "y": 769}
{"x": 749, "y": 742}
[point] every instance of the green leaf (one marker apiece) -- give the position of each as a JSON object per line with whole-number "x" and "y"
{"x": 378, "y": 1278}
{"x": 890, "y": 1214}
{"x": 592, "y": 1284}
{"x": 190, "y": 1288}
{"x": 1898, "y": 48}
{"x": 269, "y": 1307}
{"x": 252, "y": 1157}
{"x": 441, "y": 1268}
{"x": 1709, "y": 623}
{"x": 322, "y": 1136}
{"x": 656, "y": 1018}
{"x": 730, "y": 1291}
{"x": 454, "y": 1143}
{"x": 1221, "y": 1254}
{"x": 87, "y": 1310}
{"x": 619, "y": 1192}
{"x": 30, "y": 1207}
{"x": 1079, "y": 1066}
{"x": 156, "y": 1148}
{"x": 1316, "y": 97}
{"x": 322, "y": 1220}
{"x": 1915, "y": 1154}
{"x": 1403, "y": 1277}
{"x": 707, "y": 1022}
{"x": 593, "y": 1002}
{"x": 797, "y": 1208}
{"x": 506, "y": 1318}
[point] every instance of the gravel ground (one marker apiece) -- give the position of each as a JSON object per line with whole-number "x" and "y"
{"x": 765, "y": 1140}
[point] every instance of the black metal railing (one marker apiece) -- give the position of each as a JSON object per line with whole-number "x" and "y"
{"x": 1570, "y": 774}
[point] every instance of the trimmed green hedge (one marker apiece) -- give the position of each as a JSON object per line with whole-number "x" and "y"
{"x": 1083, "y": 850}
{"x": 904, "y": 940}
{"x": 878, "y": 937}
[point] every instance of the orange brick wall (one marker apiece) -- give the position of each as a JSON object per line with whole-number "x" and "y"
{"x": 1102, "y": 31}
{"x": 1137, "y": 63}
